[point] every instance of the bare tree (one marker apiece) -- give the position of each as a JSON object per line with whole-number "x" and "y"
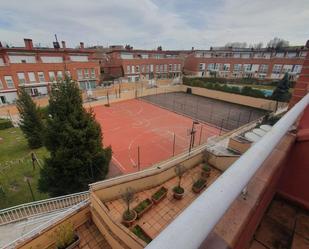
{"x": 277, "y": 43}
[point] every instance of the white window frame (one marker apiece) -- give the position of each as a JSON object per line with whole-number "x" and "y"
{"x": 80, "y": 74}
{"x": 9, "y": 81}
{"x": 21, "y": 80}
{"x": 92, "y": 73}
{"x": 86, "y": 73}
{"x": 1, "y": 85}
{"x": 41, "y": 77}
{"x": 31, "y": 76}
{"x": 52, "y": 76}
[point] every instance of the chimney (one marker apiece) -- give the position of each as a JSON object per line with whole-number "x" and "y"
{"x": 307, "y": 44}
{"x": 28, "y": 43}
{"x": 81, "y": 45}
{"x": 63, "y": 44}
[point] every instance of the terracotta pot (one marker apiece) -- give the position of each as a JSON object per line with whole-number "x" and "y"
{"x": 198, "y": 190}
{"x": 178, "y": 196}
{"x": 129, "y": 223}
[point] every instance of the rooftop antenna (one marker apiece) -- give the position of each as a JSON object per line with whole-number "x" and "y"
{"x": 56, "y": 37}
{"x": 56, "y": 43}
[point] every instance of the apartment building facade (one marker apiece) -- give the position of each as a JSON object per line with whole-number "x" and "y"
{"x": 37, "y": 68}
{"x": 265, "y": 63}
{"x": 143, "y": 65}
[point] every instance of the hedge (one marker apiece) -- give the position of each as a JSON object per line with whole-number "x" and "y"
{"x": 246, "y": 90}
{"x": 5, "y": 123}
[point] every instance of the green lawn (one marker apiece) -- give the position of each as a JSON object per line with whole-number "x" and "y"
{"x": 16, "y": 167}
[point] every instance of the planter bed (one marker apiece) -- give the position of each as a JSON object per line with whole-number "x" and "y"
{"x": 199, "y": 185}
{"x": 159, "y": 195}
{"x": 73, "y": 244}
{"x": 139, "y": 232}
{"x": 143, "y": 207}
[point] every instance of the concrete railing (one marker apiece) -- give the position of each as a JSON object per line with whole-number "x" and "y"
{"x": 205, "y": 212}
{"x": 31, "y": 209}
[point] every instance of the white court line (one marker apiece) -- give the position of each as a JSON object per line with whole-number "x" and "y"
{"x": 119, "y": 164}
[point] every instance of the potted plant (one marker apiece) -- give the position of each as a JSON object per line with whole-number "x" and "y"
{"x": 178, "y": 190}
{"x": 159, "y": 195}
{"x": 205, "y": 171}
{"x": 199, "y": 185}
{"x": 65, "y": 237}
{"x": 129, "y": 216}
{"x": 143, "y": 207}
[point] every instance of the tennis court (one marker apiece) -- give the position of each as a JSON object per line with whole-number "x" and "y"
{"x": 218, "y": 113}
{"x": 135, "y": 125}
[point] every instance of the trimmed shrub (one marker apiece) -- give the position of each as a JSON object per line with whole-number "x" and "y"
{"x": 5, "y": 124}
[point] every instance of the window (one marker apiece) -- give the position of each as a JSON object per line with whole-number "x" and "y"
{"x": 151, "y": 68}
{"x": 247, "y": 67}
{"x": 179, "y": 67}
{"x": 128, "y": 69}
{"x": 157, "y": 68}
{"x": 143, "y": 68}
{"x": 51, "y": 59}
{"x": 31, "y": 77}
{"x": 202, "y": 66}
{"x": 9, "y": 81}
{"x": 237, "y": 67}
{"x": 147, "y": 68}
{"x": 41, "y": 76}
{"x": 132, "y": 69}
{"x": 161, "y": 68}
{"x": 137, "y": 68}
{"x": 22, "y": 59}
{"x": 217, "y": 66}
{"x": 175, "y": 67}
{"x": 79, "y": 74}
{"x": 297, "y": 68}
{"x": 1, "y": 85}
{"x": 287, "y": 68}
{"x": 21, "y": 78}
{"x": 1, "y": 62}
{"x": 264, "y": 68}
{"x": 59, "y": 75}
{"x": 92, "y": 73}
{"x": 52, "y": 77}
{"x": 79, "y": 58}
{"x": 170, "y": 67}
{"x": 226, "y": 67}
{"x": 277, "y": 68}
{"x": 211, "y": 66}
{"x": 86, "y": 73}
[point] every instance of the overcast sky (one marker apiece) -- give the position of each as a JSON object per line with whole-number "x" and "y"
{"x": 174, "y": 24}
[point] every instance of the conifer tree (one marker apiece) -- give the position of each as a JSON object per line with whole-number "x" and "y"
{"x": 30, "y": 119}
{"x": 281, "y": 93}
{"x": 74, "y": 139}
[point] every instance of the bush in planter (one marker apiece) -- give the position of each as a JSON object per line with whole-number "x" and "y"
{"x": 205, "y": 170}
{"x": 139, "y": 232}
{"x": 129, "y": 215}
{"x": 178, "y": 190}
{"x": 65, "y": 236}
{"x": 143, "y": 207}
{"x": 199, "y": 185}
{"x": 159, "y": 195}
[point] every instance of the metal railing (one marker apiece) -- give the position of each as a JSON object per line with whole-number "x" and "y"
{"x": 204, "y": 212}
{"x": 31, "y": 209}
{"x": 47, "y": 224}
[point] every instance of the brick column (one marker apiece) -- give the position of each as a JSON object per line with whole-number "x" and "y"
{"x": 302, "y": 84}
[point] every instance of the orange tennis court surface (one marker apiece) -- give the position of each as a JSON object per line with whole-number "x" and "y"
{"x": 131, "y": 124}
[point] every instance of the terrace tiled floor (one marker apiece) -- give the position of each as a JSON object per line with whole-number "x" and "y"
{"x": 284, "y": 226}
{"x": 160, "y": 215}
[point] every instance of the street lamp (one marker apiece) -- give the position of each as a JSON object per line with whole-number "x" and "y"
{"x": 192, "y": 135}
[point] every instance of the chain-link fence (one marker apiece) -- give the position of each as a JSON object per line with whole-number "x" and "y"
{"x": 226, "y": 116}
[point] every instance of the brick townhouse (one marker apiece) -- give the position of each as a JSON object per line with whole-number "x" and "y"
{"x": 139, "y": 65}
{"x": 264, "y": 63}
{"x": 36, "y": 68}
